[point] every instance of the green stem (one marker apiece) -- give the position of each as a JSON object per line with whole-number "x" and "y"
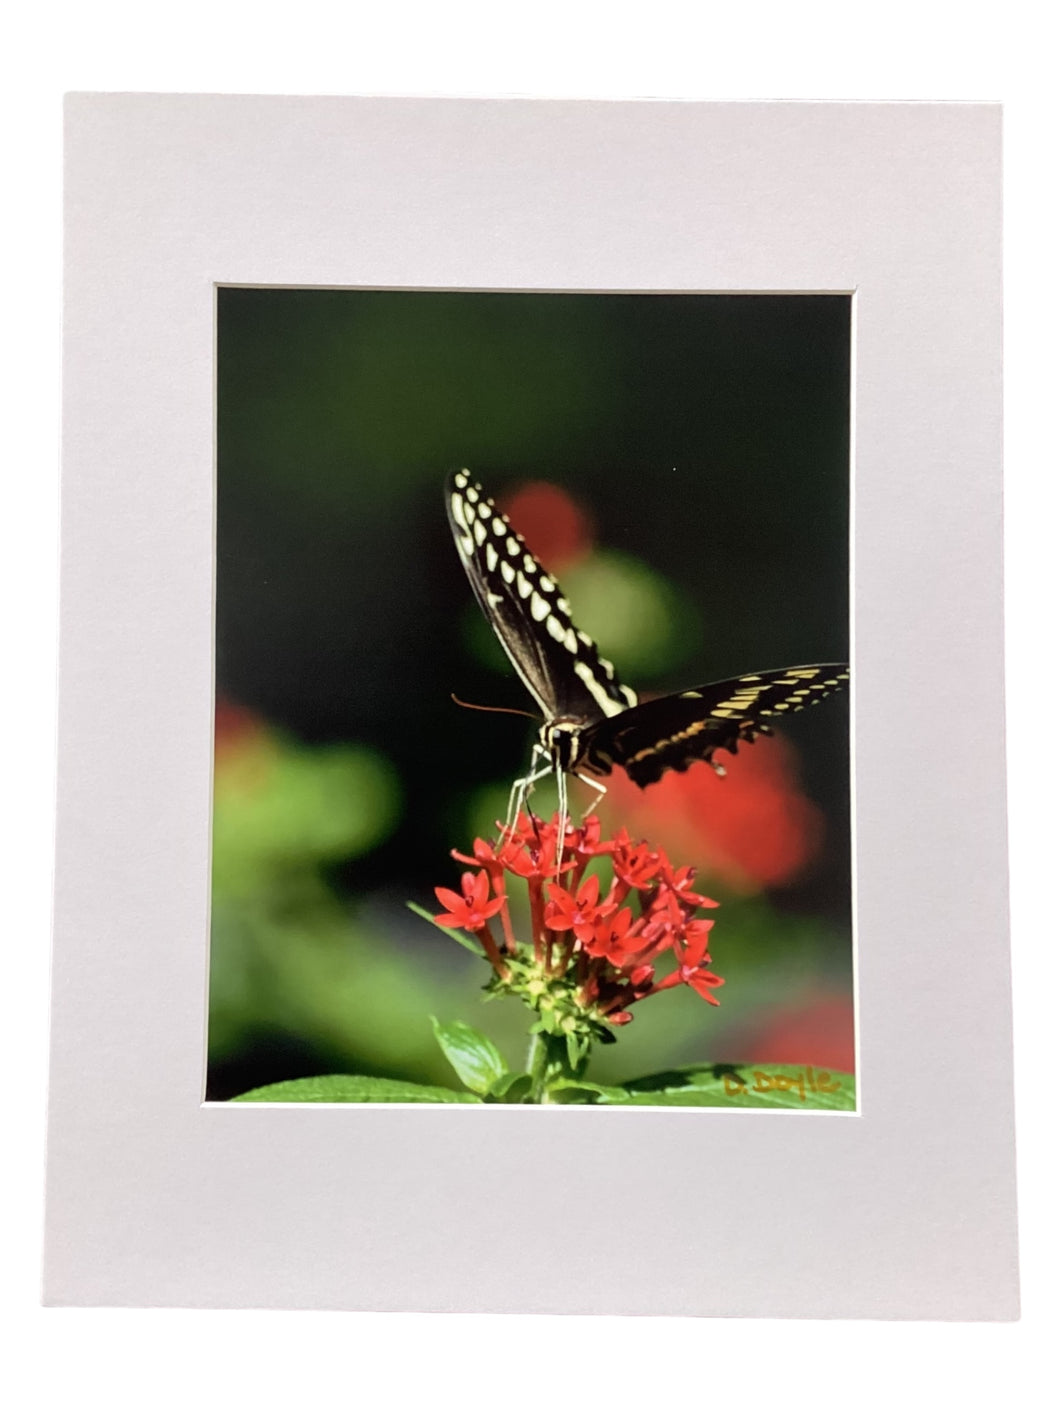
{"x": 547, "y": 1058}
{"x": 536, "y": 1059}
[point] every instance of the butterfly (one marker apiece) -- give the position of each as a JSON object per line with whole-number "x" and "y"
{"x": 593, "y": 722}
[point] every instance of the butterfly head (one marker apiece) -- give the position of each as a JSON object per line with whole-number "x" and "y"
{"x": 561, "y": 738}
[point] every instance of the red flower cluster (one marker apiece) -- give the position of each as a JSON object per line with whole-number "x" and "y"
{"x": 607, "y": 943}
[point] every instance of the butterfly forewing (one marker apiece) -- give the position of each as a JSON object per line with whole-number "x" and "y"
{"x": 560, "y": 666}
{"x": 671, "y": 733}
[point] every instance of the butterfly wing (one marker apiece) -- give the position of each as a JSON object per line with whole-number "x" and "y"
{"x": 560, "y": 666}
{"x": 671, "y": 733}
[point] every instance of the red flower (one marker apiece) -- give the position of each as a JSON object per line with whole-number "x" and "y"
{"x": 680, "y": 881}
{"x": 610, "y": 937}
{"x": 472, "y": 910}
{"x": 529, "y": 848}
{"x": 635, "y": 864}
{"x": 692, "y": 956}
{"x": 484, "y": 855}
{"x": 575, "y": 913}
{"x": 585, "y": 843}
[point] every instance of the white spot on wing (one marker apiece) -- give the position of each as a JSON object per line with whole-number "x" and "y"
{"x": 480, "y": 531}
{"x": 507, "y": 572}
{"x": 538, "y": 607}
{"x": 607, "y": 704}
{"x": 491, "y": 558}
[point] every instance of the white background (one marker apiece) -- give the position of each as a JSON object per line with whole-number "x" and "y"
{"x": 236, "y": 1360}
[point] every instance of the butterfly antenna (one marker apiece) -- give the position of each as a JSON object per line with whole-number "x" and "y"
{"x": 506, "y": 711}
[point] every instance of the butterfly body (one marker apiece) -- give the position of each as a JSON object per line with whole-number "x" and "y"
{"x": 593, "y": 722}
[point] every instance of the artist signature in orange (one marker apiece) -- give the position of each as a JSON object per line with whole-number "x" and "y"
{"x": 806, "y": 1081}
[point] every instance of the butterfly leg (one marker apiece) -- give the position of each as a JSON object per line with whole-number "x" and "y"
{"x": 561, "y": 815}
{"x": 601, "y": 791}
{"x": 522, "y": 788}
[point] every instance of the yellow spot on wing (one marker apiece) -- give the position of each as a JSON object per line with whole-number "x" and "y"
{"x": 694, "y": 730}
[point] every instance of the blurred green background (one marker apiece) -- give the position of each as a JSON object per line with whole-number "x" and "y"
{"x": 702, "y": 444}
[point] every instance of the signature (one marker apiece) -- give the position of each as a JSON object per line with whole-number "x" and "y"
{"x": 805, "y": 1081}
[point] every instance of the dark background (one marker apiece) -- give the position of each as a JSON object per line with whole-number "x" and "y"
{"x": 706, "y": 438}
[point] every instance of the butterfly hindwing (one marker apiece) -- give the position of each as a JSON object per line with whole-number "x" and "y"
{"x": 671, "y": 733}
{"x": 560, "y": 666}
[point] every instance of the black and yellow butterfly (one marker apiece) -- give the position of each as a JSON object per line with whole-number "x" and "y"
{"x": 592, "y": 722}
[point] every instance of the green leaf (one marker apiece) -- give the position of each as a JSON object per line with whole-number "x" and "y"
{"x": 584, "y": 1091}
{"x": 473, "y": 1055}
{"x": 351, "y": 1089}
{"x": 510, "y": 1088}
{"x": 462, "y": 938}
{"x": 729, "y": 1086}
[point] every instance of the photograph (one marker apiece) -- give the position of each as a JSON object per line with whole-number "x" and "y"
{"x": 519, "y": 598}
{"x": 507, "y": 545}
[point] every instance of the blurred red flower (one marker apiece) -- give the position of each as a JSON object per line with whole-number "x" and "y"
{"x": 819, "y": 1032}
{"x": 752, "y": 829}
{"x": 554, "y": 526}
{"x": 235, "y": 726}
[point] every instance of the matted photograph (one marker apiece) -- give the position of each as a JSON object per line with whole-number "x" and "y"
{"x": 523, "y": 565}
{"x": 624, "y": 517}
